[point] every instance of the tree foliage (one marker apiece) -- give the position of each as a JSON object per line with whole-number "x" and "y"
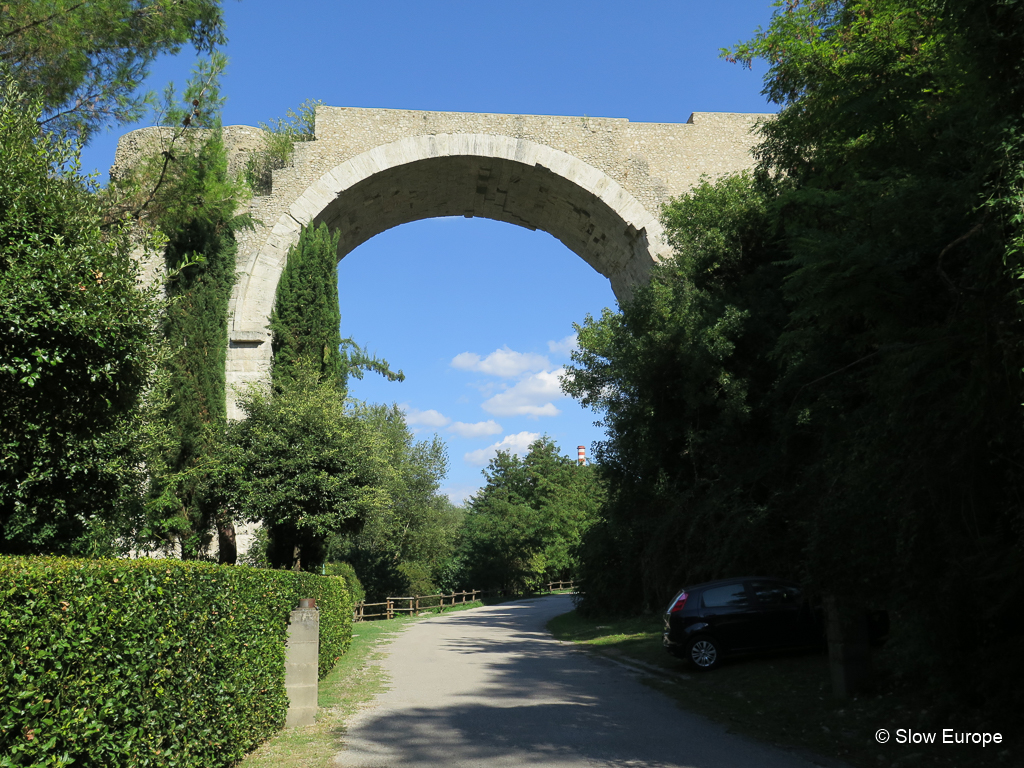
{"x": 838, "y": 391}
{"x": 76, "y": 346}
{"x": 901, "y": 133}
{"x": 405, "y": 545}
{"x": 306, "y": 321}
{"x": 522, "y": 529}
{"x": 84, "y": 62}
{"x": 182, "y": 191}
{"x": 684, "y": 378}
{"x": 306, "y": 467}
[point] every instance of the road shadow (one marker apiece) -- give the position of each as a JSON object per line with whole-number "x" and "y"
{"x": 542, "y": 702}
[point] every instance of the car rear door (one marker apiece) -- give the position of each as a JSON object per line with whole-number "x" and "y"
{"x": 731, "y": 615}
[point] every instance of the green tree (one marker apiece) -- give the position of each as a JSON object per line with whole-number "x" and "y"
{"x": 84, "y": 62}
{"x": 306, "y": 319}
{"x": 77, "y": 344}
{"x": 404, "y": 546}
{"x": 523, "y": 528}
{"x": 684, "y": 379}
{"x": 305, "y": 466}
{"x": 831, "y": 365}
{"x": 183, "y": 192}
{"x": 901, "y": 136}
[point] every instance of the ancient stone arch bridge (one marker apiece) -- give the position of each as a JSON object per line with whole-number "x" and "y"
{"x": 596, "y": 184}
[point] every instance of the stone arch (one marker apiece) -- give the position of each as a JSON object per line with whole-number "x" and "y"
{"x": 498, "y": 177}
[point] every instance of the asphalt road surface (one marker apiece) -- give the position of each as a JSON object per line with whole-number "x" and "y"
{"x": 491, "y": 687}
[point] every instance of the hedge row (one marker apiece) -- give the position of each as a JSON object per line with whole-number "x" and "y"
{"x": 149, "y": 662}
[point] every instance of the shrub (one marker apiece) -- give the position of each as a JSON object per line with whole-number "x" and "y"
{"x": 334, "y": 600}
{"x": 279, "y": 139}
{"x": 348, "y": 573}
{"x": 417, "y": 578}
{"x": 149, "y": 662}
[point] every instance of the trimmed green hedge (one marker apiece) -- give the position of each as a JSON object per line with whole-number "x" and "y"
{"x": 149, "y": 662}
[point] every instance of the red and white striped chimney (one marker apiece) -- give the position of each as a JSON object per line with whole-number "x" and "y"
{"x": 581, "y": 455}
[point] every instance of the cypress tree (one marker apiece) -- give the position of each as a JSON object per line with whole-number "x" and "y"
{"x": 196, "y": 328}
{"x": 306, "y": 320}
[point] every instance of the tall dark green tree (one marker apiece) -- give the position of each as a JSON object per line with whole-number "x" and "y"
{"x": 902, "y": 134}
{"x": 306, "y": 321}
{"x": 684, "y": 379}
{"x": 843, "y": 388}
{"x": 185, "y": 193}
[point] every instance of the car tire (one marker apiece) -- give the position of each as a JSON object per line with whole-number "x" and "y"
{"x": 704, "y": 652}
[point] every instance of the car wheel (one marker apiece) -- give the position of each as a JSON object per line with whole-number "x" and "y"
{"x": 703, "y": 652}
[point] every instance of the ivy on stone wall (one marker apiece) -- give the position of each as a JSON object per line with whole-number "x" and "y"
{"x": 194, "y": 205}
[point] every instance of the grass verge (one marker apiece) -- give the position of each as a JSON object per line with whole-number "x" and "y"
{"x": 786, "y": 700}
{"x": 353, "y": 682}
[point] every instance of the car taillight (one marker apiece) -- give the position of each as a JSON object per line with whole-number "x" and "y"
{"x": 679, "y": 604}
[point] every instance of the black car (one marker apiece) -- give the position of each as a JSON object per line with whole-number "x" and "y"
{"x": 730, "y": 616}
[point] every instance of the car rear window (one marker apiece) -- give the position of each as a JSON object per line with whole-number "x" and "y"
{"x": 730, "y": 596}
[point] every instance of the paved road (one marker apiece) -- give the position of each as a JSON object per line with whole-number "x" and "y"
{"x": 490, "y": 687}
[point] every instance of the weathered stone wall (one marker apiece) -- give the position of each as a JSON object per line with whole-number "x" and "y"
{"x": 239, "y": 140}
{"x": 597, "y": 184}
{"x": 652, "y": 161}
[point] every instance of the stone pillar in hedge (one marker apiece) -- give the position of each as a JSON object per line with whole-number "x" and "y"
{"x": 849, "y": 646}
{"x": 301, "y": 660}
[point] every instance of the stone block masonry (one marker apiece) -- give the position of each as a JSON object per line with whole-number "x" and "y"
{"x": 301, "y": 665}
{"x": 595, "y": 183}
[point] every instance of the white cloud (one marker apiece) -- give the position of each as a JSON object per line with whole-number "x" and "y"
{"x": 501, "y": 362}
{"x": 458, "y": 494}
{"x": 564, "y": 347}
{"x": 533, "y": 396}
{"x": 479, "y": 429}
{"x": 518, "y": 443}
{"x": 431, "y": 418}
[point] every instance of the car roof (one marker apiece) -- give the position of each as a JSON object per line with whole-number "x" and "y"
{"x": 733, "y": 580}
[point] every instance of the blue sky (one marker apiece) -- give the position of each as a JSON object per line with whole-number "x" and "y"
{"x": 477, "y": 313}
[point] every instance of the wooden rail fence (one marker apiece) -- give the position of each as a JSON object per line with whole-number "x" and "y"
{"x": 393, "y": 606}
